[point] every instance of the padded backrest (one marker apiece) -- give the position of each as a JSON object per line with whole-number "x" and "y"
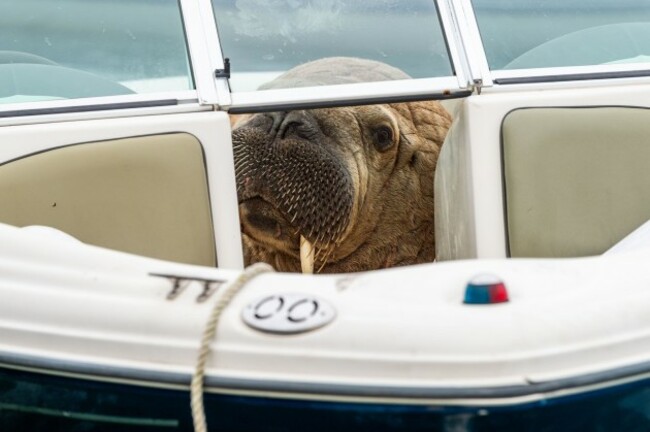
{"x": 145, "y": 195}
{"x": 577, "y": 180}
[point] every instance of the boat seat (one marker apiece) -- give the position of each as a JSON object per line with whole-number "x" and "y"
{"x": 145, "y": 195}
{"x": 576, "y": 179}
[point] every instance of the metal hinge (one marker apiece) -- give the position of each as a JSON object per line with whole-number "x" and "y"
{"x": 478, "y": 85}
{"x": 225, "y": 72}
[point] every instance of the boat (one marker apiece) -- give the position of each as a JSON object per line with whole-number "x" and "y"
{"x": 397, "y": 349}
{"x": 125, "y": 301}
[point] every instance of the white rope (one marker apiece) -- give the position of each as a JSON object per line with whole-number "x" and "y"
{"x": 198, "y": 410}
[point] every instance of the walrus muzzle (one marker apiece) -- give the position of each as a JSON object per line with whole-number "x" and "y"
{"x": 291, "y": 182}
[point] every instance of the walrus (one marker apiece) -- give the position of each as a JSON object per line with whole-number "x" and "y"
{"x": 352, "y": 185}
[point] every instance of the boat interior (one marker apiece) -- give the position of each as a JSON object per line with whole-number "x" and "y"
{"x": 571, "y": 177}
{"x": 144, "y": 195}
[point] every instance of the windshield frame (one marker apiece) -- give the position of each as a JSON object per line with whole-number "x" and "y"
{"x": 459, "y": 84}
{"x": 465, "y": 47}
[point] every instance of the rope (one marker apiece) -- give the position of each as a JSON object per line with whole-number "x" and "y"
{"x": 196, "y": 390}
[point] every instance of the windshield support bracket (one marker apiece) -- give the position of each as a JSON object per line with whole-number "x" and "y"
{"x": 477, "y": 85}
{"x": 225, "y": 72}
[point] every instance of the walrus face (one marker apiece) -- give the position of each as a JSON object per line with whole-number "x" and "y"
{"x": 292, "y": 180}
{"x": 349, "y": 180}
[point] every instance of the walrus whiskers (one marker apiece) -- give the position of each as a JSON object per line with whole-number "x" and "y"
{"x": 327, "y": 255}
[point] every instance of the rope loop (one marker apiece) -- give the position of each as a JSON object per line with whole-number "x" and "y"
{"x": 196, "y": 389}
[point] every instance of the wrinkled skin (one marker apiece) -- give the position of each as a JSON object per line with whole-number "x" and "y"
{"x": 357, "y": 182}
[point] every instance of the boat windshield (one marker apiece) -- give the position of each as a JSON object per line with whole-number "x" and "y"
{"x": 64, "y": 49}
{"x": 523, "y": 34}
{"x": 265, "y": 38}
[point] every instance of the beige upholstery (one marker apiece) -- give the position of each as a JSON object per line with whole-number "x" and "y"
{"x": 577, "y": 179}
{"x": 144, "y": 195}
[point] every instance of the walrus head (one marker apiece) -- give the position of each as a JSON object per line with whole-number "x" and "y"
{"x": 355, "y": 182}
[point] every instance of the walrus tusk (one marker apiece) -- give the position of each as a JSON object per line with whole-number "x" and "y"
{"x": 306, "y": 256}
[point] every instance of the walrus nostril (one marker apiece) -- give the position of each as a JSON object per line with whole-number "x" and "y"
{"x": 290, "y": 128}
{"x": 298, "y": 124}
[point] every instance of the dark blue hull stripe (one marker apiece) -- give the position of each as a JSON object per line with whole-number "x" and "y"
{"x": 101, "y": 372}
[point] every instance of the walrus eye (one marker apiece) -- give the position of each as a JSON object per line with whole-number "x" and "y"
{"x": 383, "y": 138}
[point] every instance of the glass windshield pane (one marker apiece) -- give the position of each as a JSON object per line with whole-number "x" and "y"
{"x": 264, "y": 38}
{"x": 520, "y": 34}
{"x": 60, "y": 49}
